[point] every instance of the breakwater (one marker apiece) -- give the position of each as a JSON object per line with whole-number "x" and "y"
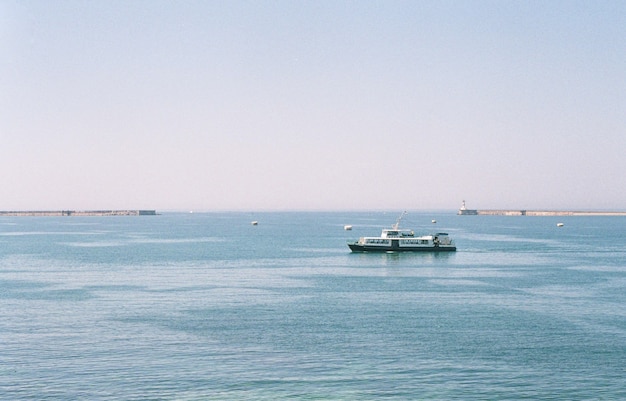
{"x": 497, "y": 212}
{"x": 39, "y": 213}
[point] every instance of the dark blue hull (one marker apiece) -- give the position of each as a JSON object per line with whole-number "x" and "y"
{"x": 355, "y": 247}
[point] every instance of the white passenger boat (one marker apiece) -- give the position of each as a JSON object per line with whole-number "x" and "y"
{"x": 402, "y": 240}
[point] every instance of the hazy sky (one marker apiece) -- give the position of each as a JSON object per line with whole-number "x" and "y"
{"x": 256, "y": 105}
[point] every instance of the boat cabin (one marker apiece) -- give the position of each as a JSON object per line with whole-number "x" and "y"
{"x": 407, "y": 238}
{"x": 395, "y": 233}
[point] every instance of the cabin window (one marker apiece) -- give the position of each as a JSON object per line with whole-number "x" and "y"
{"x": 377, "y": 241}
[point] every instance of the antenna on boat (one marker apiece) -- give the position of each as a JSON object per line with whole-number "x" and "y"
{"x": 395, "y": 226}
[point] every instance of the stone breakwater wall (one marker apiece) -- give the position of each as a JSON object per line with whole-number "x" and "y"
{"x": 474, "y": 212}
{"x": 565, "y": 213}
{"x": 38, "y": 213}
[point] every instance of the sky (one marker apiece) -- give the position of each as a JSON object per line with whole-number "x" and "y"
{"x": 312, "y": 105}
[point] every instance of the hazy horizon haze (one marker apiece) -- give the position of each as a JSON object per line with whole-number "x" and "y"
{"x": 292, "y": 105}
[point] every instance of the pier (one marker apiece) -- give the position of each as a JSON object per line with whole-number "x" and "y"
{"x": 493, "y": 212}
{"x": 463, "y": 211}
{"x": 47, "y": 213}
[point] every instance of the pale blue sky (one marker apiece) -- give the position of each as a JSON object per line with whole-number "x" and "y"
{"x": 257, "y": 105}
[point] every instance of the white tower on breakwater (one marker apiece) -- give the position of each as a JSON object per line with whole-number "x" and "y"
{"x": 465, "y": 211}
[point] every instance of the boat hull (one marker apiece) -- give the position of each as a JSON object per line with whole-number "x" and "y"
{"x": 356, "y": 247}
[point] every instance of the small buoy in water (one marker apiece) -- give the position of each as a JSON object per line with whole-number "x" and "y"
{"x": 433, "y": 221}
{"x": 559, "y": 224}
{"x": 255, "y": 223}
{"x": 347, "y": 227}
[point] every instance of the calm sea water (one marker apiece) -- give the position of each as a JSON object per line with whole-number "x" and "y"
{"x": 206, "y": 306}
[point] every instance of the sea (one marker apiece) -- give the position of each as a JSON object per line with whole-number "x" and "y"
{"x": 207, "y": 306}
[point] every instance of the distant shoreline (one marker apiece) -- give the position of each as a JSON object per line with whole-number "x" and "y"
{"x": 47, "y": 213}
{"x": 513, "y": 212}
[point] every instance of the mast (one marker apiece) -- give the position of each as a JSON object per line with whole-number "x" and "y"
{"x": 395, "y": 226}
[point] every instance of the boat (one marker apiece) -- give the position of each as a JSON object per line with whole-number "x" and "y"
{"x": 395, "y": 239}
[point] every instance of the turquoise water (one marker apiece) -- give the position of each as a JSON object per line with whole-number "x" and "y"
{"x": 206, "y": 306}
